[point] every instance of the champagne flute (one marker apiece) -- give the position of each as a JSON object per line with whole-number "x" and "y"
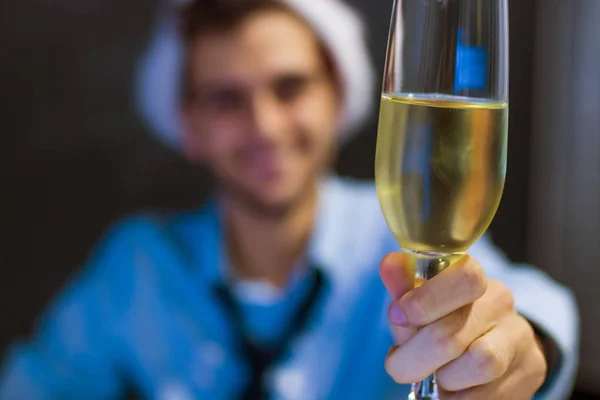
{"x": 442, "y": 137}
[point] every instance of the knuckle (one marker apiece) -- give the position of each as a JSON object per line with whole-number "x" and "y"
{"x": 527, "y": 332}
{"x": 536, "y": 363}
{"x": 487, "y": 362}
{"x": 510, "y": 395}
{"x": 448, "y": 345}
{"x": 540, "y": 370}
{"x": 474, "y": 278}
{"x": 503, "y": 295}
{"x": 415, "y": 308}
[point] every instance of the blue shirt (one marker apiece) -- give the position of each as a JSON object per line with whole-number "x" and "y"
{"x": 143, "y": 314}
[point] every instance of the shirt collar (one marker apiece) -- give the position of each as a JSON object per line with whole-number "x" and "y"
{"x": 322, "y": 250}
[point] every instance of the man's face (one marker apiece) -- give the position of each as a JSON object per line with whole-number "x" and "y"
{"x": 263, "y": 110}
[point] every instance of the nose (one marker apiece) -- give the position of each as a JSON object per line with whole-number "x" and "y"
{"x": 269, "y": 116}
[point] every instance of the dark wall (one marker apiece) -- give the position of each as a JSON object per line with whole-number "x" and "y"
{"x": 74, "y": 157}
{"x": 565, "y": 178}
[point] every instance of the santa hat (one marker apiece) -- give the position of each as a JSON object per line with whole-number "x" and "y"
{"x": 338, "y": 26}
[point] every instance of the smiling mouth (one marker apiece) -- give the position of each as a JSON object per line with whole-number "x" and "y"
{"x": 264, "y": 164}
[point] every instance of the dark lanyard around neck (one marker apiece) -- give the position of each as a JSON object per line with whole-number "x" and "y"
{"x": 258, "y": 357}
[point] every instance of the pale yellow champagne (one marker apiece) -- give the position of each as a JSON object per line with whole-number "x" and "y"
{"x": 440, "y": 169}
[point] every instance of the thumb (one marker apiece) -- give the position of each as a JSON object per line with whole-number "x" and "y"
{"x": 398, "y": 278}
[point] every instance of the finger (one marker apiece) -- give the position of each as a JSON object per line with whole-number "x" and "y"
{"x": 460, "y": 284}
{"x": 448, "y": 338}
{"x": 488, "y": 358}
{"x": 505, "y": 389}
{"x": 395, "y": 275}
{"x": 521, "y": 382}
{"x": 398, "y": 280}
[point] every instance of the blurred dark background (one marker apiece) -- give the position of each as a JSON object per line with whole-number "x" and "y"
{"x": 74, "y": 156}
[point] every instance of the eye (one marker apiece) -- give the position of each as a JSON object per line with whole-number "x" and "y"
{"x": 288, "y": 88}
{"x": 221, "y": 100}
{"x": 225, "y": 100}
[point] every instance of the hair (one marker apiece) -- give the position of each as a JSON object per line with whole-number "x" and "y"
{"x": 202, "y": 17}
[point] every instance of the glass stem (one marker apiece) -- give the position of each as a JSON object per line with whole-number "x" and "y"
{"x": 425, "y": 390}
{"x": 427, "y": 266}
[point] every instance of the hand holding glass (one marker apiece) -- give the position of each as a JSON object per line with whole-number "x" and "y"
{"x": 442, "y": 140}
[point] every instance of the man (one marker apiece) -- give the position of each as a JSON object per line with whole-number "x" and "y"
{"x": 272, "y": 288}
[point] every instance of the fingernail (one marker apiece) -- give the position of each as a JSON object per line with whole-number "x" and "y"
{"x": 397, "y": 316}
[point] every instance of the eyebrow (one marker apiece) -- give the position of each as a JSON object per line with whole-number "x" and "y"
{"x": 218, "y": 86}
{"x": 232, "y": 84}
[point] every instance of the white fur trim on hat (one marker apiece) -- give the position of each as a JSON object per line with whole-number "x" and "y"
{"x": 339, "y": 27}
